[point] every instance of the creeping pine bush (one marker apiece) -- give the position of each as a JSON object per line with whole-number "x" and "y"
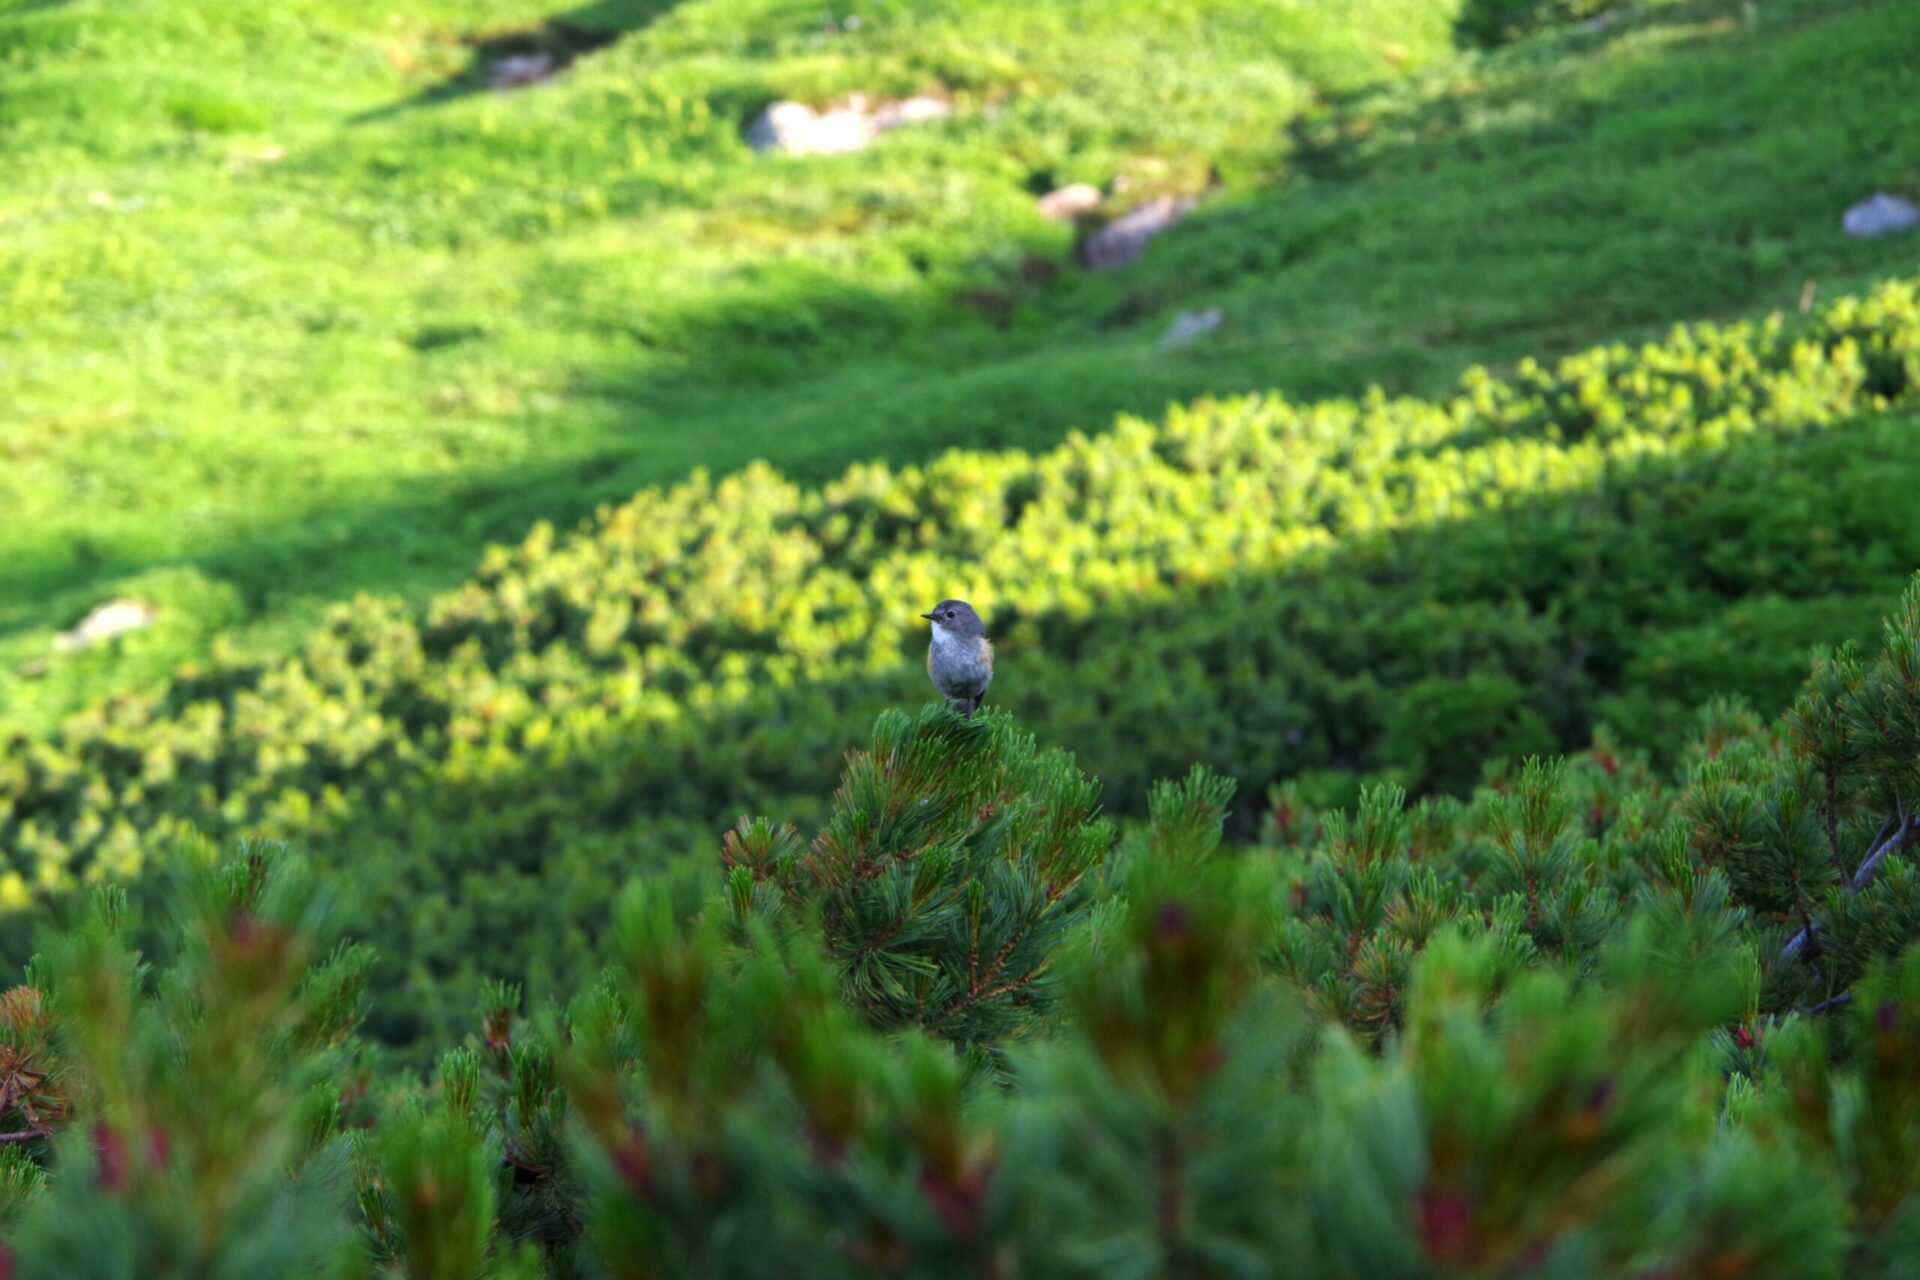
{"x": 1589, "y": 1021}
{"x": 1395, "y": 589}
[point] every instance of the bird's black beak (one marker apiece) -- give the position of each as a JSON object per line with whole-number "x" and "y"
{"x": 928, "y": 616}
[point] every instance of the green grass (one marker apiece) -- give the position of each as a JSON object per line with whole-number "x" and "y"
{"x": 288, "y": 310}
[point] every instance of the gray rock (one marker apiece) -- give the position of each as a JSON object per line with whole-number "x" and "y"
{"x": 1190, "y": 326}
{"x": 1881, "y": 215}
{"x": 1068, "y": 203}
{"x": 521, "y": 70}
{"x": 1121, "y": 242}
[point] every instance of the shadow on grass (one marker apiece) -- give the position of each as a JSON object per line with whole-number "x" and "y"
{"x": 1513, "y": 233}
{"x": 520, "y": 57}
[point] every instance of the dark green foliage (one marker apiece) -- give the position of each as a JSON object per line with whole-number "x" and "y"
{"x": 1557, "y": 975}
{"x": 1800, "y": 831}
{"x": 1586, "y": 1042}
{"x": 946, "y": 875}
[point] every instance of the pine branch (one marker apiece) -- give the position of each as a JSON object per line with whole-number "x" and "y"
{"x": 1807, "y": 934}
{"x": 1840, "y": 1001}
{"x": 1894, "y": 835}
{"x": 977, "y": 990}
{"x": 1905, "y": 831}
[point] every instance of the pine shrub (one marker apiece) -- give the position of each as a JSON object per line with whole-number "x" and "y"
{"x": 1594, "y": 1019}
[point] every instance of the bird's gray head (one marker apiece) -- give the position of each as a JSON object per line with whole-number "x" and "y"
{"x": 956, "y": 618}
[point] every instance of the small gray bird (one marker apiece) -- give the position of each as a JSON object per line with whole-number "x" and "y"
{"x": 960, "y": 659}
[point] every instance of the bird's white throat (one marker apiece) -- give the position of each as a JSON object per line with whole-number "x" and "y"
{"x": 945, "y": 640}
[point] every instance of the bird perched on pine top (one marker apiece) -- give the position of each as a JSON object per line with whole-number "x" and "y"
{"x": 960, "y": 659}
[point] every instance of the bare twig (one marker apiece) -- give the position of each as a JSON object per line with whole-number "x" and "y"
{"x": 1895, "y": 833}
{"x": 1840, "y": 1001}
{"x": 1800, "y": 939}
{"x": 1888, "y": 844}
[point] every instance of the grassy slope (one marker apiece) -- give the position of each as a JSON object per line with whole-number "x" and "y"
{"x": 251, "y": 385}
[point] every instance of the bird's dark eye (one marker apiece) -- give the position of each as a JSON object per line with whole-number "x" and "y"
{"x": 949, "y": 613}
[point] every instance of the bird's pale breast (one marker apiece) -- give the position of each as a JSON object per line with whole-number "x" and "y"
{"x": 960, "y": 665}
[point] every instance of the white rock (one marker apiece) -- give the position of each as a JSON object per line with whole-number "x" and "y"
{"x": 797, "y": 129}
{"x": 837, "y": 132}
{"x": 1881, "y": 215}
{"x": 892, "y": 115}
{"x": 1068, "y": 203}
{"x": 1121, "y": 242}
{"x": 114, "y": 618}
{"x": 1191, "y": 325}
